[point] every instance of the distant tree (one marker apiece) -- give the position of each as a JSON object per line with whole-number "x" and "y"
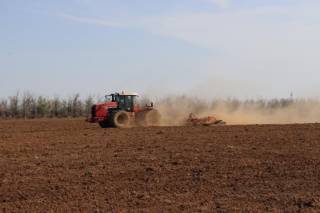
{"x": 69, "y": 106}
{"x": 14, "y": 106}
{"x": 55, "y": 107}
{"x": 27, "y": 106}
{"x": 285, "y": 102}
{"x": 76, "y": 106}
{"x": 87, "y": 105}
{"x": 42, "y": 107}
{"x": 64, "y": 109}
{"x": 273, "y": 104}
{"x": 3, "y": 108}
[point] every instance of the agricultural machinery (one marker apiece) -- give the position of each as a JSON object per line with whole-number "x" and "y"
{"x": 203, "y": 121}
{"x": 122, "y": 110}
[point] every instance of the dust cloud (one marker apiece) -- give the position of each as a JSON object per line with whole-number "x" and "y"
{"x": 175, "y": 110}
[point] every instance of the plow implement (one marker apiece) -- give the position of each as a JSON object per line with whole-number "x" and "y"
{"x": 203, "y": 121}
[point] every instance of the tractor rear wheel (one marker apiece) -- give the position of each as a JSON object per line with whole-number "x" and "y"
{"x": 149, "y": 118}
{"x": 121, "y": 119}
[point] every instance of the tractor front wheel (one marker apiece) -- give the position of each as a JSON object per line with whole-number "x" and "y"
{"x": 121, "y": 119}
{"x": 104, "y": 124}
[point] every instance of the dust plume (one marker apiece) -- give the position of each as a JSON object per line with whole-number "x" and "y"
{"x": 175, "y": 110}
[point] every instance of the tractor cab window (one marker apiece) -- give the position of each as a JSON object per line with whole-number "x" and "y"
{"x": 109, "y": 98}
{"x": 121, "y": 100}
{"x": 129, "y": 103}
{"x": 125, "y": 102}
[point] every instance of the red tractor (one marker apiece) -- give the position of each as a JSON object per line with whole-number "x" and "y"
{"x": 122, "y": 110}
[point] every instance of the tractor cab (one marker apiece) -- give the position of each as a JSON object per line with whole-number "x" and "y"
{"x": 125, "y": 101}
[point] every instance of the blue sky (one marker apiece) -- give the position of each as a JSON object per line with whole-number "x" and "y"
{"x": 208, "y": 48}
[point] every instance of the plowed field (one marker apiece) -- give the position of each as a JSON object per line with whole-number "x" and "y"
{"x": 69, "y": 165}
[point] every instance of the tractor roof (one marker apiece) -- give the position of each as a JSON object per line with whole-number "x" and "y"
{"x": 127, "y": 93}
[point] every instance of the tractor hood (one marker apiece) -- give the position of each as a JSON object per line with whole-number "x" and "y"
{"x": 100, "y": 110}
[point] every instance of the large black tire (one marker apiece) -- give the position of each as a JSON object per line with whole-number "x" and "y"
{"x": 120, "y": 119}
{"x": 104, "y": 124}
{"x": 148, "y": 118}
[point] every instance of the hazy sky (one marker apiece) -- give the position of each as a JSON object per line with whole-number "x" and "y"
{"x": 209, "y": 48}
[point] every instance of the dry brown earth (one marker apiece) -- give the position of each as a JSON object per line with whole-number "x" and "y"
{"x": 69, "y": 165}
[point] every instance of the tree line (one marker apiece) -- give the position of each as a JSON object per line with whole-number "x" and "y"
{"x": 30, "y": 106}
{"x": 27, "y": 105}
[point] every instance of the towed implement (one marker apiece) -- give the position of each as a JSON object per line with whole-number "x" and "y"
{"x": 122, "y": 110}
{"x": 203, "y": 121}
